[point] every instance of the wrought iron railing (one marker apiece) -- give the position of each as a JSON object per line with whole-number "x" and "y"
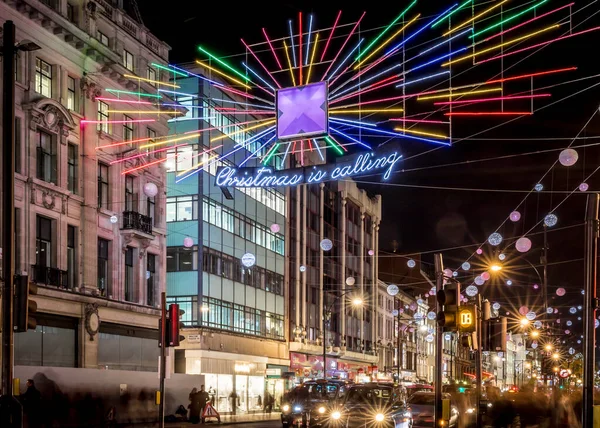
{"x": 133, "y": 220}
{"x": 51, "y": 276}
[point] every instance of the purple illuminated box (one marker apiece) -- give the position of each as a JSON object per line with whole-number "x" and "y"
{"x": 302, "y": 112}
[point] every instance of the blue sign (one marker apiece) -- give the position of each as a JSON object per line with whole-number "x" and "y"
{"x": 351, "y": 166}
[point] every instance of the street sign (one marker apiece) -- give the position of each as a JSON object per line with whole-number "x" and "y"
{"x": 564, "y": 373}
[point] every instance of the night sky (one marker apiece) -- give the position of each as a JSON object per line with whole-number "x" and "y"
{"x": 422, "y": 219}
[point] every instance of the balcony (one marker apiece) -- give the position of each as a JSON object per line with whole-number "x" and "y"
{"x": 50, "y": 276}
{"x": 135, "y": 221}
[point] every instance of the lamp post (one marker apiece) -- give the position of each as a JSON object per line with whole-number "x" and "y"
{"x": 10, "y": 409}
{"x": 356, "y": 301}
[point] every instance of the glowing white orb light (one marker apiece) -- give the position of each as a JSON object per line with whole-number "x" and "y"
{"x": 496, "y": 306}
{"x": 150, "y": 190}
{"x": 569, "y": 323}
{"x": 568, "y": 157}
{"x": 448, "y": 337}
{"x": 275, "y": 228}
{"x": 479, "y": 251}
{"x": 567, "y": 331}
{"x": 550, "y": 220}
{"x": 515, "y": 216}
{"x": 579, "y": 307}
{"x": 392, "y": 289}
{"x": 431, "y": 315}
{"x": 432, "y": 291}
{"x": 485, "y": 276}
{"x": 371, "y": 252}
{"x": 495, "y": 239}
{"x": 560, "y": 292}
{"x": 535, "y": 286}
{"x": 350, "y": 281}
{"x": 448, "y": 273}
{"x": 248, "y": 260}
{"x": 537, "y": 324}
{"x": 523, "y": 244}
{"x": 114, "y": 219}
{"x": 508, "y": 282}
{"x": 466, "y": 266}
{"x": 412, "y": 306}
{"x": 455, "y": 274}
{"x": 523, "y": 310}
{"x": 395, "y": 312}
{"x": 573, "y": 310}
{"x": 538, "y": 187}
{"x": 472, "y": 291}
{"x": 579, "y": 342}
{"x": 502, "y": 256}
{"x": 479, "y": 280}
{"x": 188, "y": 242}
{"x": 326, "y": 244}
{"x": 420, "y": 301}
{"x": 571, "y": 351}
{"x": 534, "y": 344}
{"x": 583, "y": 187}
{"x": 549, "y": 310}
{"x": 411, "y": 263}
{"x": 429, "y": 338}
{"x": 302, "y": 268}
{"x": 558, "y": 321}
{"x": 530, "y": 315}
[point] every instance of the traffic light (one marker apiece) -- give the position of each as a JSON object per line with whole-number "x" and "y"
{"x": 494, "y": 335}
{"x": 467, "y": 318}
{"x": 24, "y": 308}
{"x": 449, "y": 299}
{"x": 174, "y": 325}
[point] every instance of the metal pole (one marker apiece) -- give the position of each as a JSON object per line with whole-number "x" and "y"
{"x": 439, "y": 284}
{"x": 478, "y": 369}
{"x": 589, "y": 307}
{"x": 163, "y": 357}
{"x": 8, "y": 198}
{"x": 398, "y": 353}
{"x": 545, "y": 263}
{"x": 324, "y": 343}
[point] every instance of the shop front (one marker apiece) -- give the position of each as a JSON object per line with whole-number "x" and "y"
{"x": 235, "y": 381}
{"x": 276, "y": 384}
{"x": 311, "y": 367}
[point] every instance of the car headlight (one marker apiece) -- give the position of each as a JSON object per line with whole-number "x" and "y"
{"x": 336, "y": 415}
{"x": 285, "y": 408}
{"x": 379, "y": 417}
{"x": 470, "y": 410}
{"x": 489, "y": 404}
{"x": 297, "y": 409}
{"x": 321, "y": 410}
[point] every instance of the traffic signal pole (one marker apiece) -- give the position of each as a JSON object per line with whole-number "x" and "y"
{"x": 478, "y": 353}
{"x": 439, "y": 284}
{"x": 163, "y": 358}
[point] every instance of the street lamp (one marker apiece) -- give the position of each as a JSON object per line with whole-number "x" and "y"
{"x": 356, "y": 302}
{"x": 548, "y": 347}
{"x": 555, "y": 356}
{"x": 496, "y": 267}
{"x": 524, "y": 322}
{"x": 535, "y": 334}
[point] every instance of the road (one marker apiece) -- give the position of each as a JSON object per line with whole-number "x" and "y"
{"x": 259, "y": 424}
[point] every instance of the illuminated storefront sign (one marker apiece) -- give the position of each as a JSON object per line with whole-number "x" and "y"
{"x": 351, "y": 166}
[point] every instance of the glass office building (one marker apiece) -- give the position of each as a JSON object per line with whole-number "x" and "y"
{"x": 235, "y": 314}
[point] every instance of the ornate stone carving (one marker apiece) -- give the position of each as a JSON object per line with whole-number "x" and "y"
{"x": 92, "y": 320}
{"x": 48, "y": 199}
{"x": 90, "y": 89}
{"x": 127, "y": 239}
{"x": 145, "y": 243}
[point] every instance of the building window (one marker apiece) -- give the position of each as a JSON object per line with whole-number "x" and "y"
{"x": 43, "y": 242}
{"x": 103, "y": 117}
{"x": 17, "y": 239}
{"x": 127, "y": 60}
{"x": 52, "y": 344}
{"x": 123, "y": 347}
{"x": 43, "y": 78}
{"x": 70, "y": 12}
{"x": 151, "y": 75}
{"x": 129, "y": 275}
{"x": 18, "y": 144}
{"x": 151, "y": 137}
{"x": 71, "y": 257}
{"x": 182, "y": 259}
{"x": 103, "y": 38}
{"x": 103, "y": 278}
{"x": 151, "y": 209}
{"x": 182, "y": 208}
{"x": 127, "y": 128}
{"x": 150, "y": 280}
{"x": 72, "y": 156}
{"x": 46, "y": 158}
{"x": 102, "y": 186}
{"x": 129, "y": 185}
{"x": 70, "y": 93}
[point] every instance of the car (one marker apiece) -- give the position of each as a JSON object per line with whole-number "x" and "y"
{"x": 417, "y": 387}
{"x": 309, "y": 404}
{"x": 372, "y": 405}
{"x": 422, "y": 408}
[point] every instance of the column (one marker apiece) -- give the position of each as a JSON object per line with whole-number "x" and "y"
{"x": 375, "y": 288}
{"x": 297, "y": 273}
{"x": 89, "y": 214}
{"x": 321, "y": 258}
{"x": 361, "y": 253}
{"x": 304, "y": 245}
{"x": 343, "y": 275}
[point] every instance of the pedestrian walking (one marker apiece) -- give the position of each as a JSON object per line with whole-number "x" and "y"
{"x": 203, "y": 398}
{"x": 32, "y": 405}
{"x": 195, "y": 406}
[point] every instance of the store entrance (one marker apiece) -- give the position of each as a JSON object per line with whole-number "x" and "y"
{"x": 276, "y": 388}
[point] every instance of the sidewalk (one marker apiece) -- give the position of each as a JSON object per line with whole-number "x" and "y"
{"x": 225, "y": 419}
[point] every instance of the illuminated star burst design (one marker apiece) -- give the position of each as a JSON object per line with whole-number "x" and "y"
{"x": 314, "y": 90}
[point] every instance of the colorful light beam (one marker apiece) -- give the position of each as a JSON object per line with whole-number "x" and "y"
{"x": 312, "y": 58}
{"x": 86, "y": 122}
{"x": 335, "y": 145}
{"x": 155, "y": 82}
{"x": 219, "y": 72}
{"x": 490, "y": 113}
{"x": 476, "y": 17}
{"x": 308, "y": 41}
{"x": 250, "y": 128}
{"x": 483, "y": 100}
{"x": 175, "y": 72}
{"x": 292, "y": 41}
{"x": 270, "y": 153}
{"x": 439, "y": 21}
{"x": 137, "y": 94}
{"x": 261, "y": 64}
{"x": 272, "y": 49}
{"x": 344, "y": 44}
{"x": 257, "y": 150}
{"x": 455, "y": 94}
{"x": 137, "y": 168}
{"x": 331, "y": 34}
{"x": 224, "y": 64}
{"x": 510, "y": 18}
{"x": 417, "y": 132}
{"x": 256, "y": 74}
{"x": 287, "y": 55}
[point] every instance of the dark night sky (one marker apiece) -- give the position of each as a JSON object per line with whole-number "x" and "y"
{"x": 422, "y": 220}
